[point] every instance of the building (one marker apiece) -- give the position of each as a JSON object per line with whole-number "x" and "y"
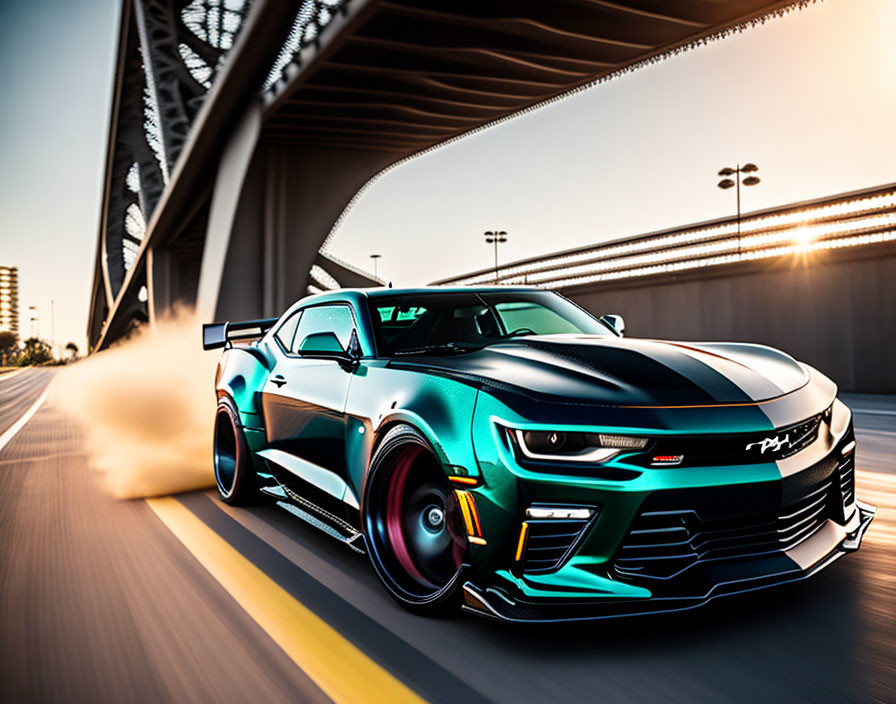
{"x": 9, "y": 299}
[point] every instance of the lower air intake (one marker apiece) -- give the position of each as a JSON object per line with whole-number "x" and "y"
{"x": 664, "y": 544}
{"x": 847, "y": 472}
{"x": 549, "y": 542}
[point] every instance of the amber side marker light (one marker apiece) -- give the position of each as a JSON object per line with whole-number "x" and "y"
{"x": 467, "y": 481}
{"x": 521, "y": 543}
{"x": 471, "y": 517}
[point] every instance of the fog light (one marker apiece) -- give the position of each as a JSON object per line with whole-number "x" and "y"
{"x": 848, "y": 448}
{"x": 563, "y": 513}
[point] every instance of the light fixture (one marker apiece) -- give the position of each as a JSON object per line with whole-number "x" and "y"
{"x": 471, "y": 517}
{"x": 560, "y": 513}
{"x": 666, "y": 460}
{"x": 521, "y": 542}
{"x": 573, "y": 446}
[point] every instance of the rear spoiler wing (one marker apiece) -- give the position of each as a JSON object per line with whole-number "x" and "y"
{"x": 215, "y": 335}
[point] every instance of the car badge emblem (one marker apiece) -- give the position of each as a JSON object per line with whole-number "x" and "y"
{"x": 774, "y": 444}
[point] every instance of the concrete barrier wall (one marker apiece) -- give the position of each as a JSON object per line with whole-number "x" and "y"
{"x": 838, "y": 316}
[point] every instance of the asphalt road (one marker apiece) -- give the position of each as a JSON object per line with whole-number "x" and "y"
{"x": 187, "y": 600}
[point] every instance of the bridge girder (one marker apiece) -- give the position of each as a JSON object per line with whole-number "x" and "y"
{"x": 314, "y": 99}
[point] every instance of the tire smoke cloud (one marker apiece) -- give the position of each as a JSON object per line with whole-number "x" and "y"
{"x": 147, "y": 407}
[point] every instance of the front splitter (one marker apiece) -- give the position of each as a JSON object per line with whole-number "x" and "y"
{"x": 495, "y": 603}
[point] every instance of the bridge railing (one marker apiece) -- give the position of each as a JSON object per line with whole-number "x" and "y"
{"x": 849, "y": 220}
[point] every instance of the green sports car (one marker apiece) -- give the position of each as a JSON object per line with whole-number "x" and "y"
{"x": 502, "y": 449}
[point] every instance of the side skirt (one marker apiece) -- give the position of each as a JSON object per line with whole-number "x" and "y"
{"x": 314, "y": 515}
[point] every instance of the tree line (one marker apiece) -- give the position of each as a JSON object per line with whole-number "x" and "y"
{"x": 33, "y": 351}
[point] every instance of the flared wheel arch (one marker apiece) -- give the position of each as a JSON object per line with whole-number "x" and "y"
{"x": 402, "y": 436}
{"x": 243, "y": 487}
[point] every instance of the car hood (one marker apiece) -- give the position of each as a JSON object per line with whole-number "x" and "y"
{"x": 625, "y": 371}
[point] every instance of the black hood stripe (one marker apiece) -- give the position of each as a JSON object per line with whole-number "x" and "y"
{"x": 718, "y": 387}
{"x": 754, "y": 385}
{"x": 623, "y": 372}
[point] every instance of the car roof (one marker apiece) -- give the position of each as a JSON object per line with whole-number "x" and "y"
{"x": 357, "y": 295}
{"x": 386, "y": 291}
{"x": 382, "y": 291}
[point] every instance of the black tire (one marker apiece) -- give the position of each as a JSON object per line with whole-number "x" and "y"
{"x": 413, "y": 525}
{"x": 234, "y": 470}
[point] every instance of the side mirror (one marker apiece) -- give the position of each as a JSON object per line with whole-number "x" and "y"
{"x": 354, "y": 346}
{"x": 322, "y": 344}
{"x": 614, "y": 322}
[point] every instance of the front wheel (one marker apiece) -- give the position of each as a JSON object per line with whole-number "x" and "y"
{"x": 234, "y": 470}
{"x": 413, "y": 524}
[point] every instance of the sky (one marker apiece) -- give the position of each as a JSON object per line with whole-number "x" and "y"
{"x": 810, "y": 98}
{"x": 56, "y": 58}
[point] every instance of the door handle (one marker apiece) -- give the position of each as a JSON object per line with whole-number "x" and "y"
{"x": 278, "y": 380}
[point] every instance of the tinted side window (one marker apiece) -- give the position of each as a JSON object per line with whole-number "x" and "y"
{"x": 336, "y": 319}
{"x": 287, "y": 331}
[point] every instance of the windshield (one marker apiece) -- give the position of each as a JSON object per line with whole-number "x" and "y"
{"x": 409, "y": 323}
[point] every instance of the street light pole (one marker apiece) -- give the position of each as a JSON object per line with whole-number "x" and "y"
{"x": 34, "y": 320}
{"x": 726, "y": 183}
{"x": 375, "y": 258}
{"x": 496, "y": 237}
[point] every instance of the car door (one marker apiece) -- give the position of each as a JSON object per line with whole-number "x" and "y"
{"x": 304, "y": 401}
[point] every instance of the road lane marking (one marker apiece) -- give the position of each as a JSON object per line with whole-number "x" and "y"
{"x": 342, "y": 671}
{"x": 11, "y": 431}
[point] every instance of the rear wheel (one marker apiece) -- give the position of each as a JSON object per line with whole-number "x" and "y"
{"x": 413, "y": 524}
{"x": 234, "y": 471}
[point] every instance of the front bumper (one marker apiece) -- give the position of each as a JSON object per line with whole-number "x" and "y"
{"x": 809, "y": 557}
{"x": 710, "y": 531}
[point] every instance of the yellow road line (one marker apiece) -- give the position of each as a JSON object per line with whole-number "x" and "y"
{"x": 339, "y": 668}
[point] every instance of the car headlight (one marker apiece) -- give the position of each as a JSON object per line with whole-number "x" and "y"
{"x": 553, "y": 445}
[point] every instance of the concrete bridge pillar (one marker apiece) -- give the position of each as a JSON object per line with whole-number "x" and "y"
{"x": 267, "y": 224}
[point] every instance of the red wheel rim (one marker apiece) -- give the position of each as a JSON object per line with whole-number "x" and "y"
{"x": 421, "y": 530}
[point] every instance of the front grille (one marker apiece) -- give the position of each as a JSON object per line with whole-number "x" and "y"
{"x": 548, "y": 542}
{"x": 847, "y": 472}
{"x": 710, "y": 450}
{"x": 663, "y": 544}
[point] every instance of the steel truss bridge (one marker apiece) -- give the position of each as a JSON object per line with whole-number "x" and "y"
{"x": 241, "y": 131}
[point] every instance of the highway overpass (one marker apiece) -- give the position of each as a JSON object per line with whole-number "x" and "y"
{"x": 241, "y": 131}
